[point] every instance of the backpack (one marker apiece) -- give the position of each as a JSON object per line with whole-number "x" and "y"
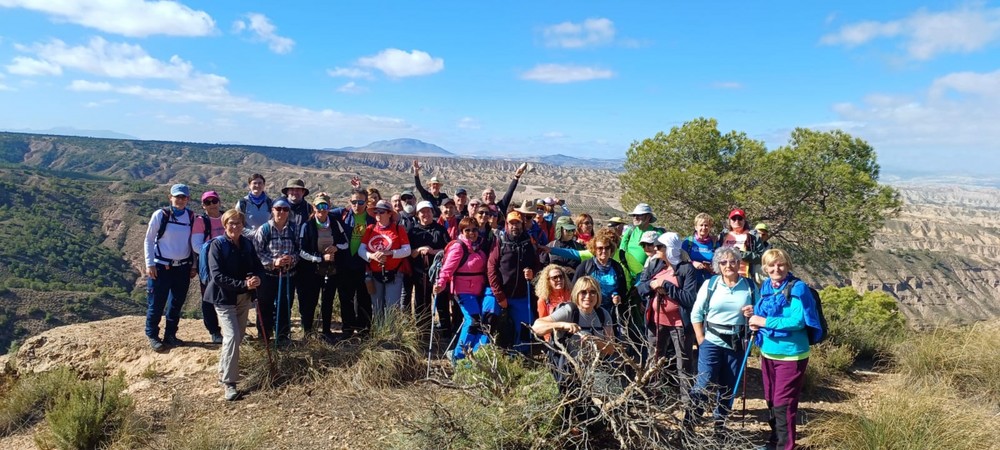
{"x": 203, "y": 257}
{"x": 434, "y": 272}
{"x": 168, "y": 218}
{"x": 241, "y": 204}
{"x": 816, "y": 335}
{"x": 203, "y": 254}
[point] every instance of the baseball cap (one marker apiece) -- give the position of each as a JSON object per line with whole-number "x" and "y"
{"x": 737, "y": 212}
{"x": 460, "y": 191}
{"x": 424, "y": 204}
{"x": 383, "y": 205}
{"x": 209, "y": 194}
{"x": 514, "y": 215}
{"x": 761, "y": 226}
{"x": 649, "y": 237}
{"x": 180, "y": 189}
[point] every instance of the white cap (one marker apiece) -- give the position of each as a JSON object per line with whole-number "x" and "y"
{"x": 424, "y": 204}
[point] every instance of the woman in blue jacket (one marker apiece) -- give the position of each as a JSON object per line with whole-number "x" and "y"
{"x": 783, "y": 319}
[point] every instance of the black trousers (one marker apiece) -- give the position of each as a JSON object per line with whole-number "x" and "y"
{"x": 208, "y": 316}
{"x": 355, "y": 302}
{"x": 309, "y": 287}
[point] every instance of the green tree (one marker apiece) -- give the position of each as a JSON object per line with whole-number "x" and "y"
{"x": 819, "y": 193}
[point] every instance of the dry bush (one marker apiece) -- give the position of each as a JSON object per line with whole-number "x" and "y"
{"x": 965, "y": 358}
{"x": 93, "y": 414}
{"x": 30, "y": 396}
{"x": 911, "y": 416}
{"x": 388, "y": 355}
{"x": 508, "y": 401}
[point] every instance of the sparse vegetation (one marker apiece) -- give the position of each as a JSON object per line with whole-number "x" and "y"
{"x": 910, "y": 416}
{"x": 30, "y": 396}
{"x": 870, "y": 324}
{"x": 965, "y": 359}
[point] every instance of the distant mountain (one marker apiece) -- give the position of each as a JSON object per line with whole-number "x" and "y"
{"x": 411, "y": 147}
{"x": 616, "y": 165}
{"x": 70, "y": 131}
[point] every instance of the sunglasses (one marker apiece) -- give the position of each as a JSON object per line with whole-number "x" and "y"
{"x": 322, "y": 207}
{"x": 281, "y": 209}
{"x": 211, "y": 201}
{"x": 601, "y": 249}
{"x": 471, "y": 230}
{"x": 588, "y": 292}
{"x": 380, "y": 212}
{"x": 646, "y": 244}
{"x": 359, "y": 202}
{"x": 736, "y": 219}
{"x": 729, "y": 262}
{"x": 559, "y": 276}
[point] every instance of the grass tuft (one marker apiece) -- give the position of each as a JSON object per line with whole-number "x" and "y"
{"x": 28, "y": 397}
{"x": 966, "y": 359}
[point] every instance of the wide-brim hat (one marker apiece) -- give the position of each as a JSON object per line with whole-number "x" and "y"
{"x": 616, "y": 221}
{"x": 383, "y": 206}
{"x": 566, "y": 223}
{"x": 292, "y": 184}
{"x": 526, "y": 208}
{"x": 649, "y": 237}
{"x": 642, "y": 209}
{"x": 435, "y": 180}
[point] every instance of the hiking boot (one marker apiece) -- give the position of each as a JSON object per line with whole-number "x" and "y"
{"x": 216, "y": 338}
{"x": 173, "y": 341}
{"x": 231, "y": 392}
{"x": 156, "y": 344}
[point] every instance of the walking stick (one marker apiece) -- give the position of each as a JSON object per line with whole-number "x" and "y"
{"x": 740, "y": 376}
{"x": 430, "y": 344}
{"x": 263, "y": 331}
{"x": 277, "y": 310}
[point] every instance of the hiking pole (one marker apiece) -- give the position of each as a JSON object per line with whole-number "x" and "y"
{"x": 743, "y": 420}
{"x": 277, "y": 310}
{"x": 263, "y": 331}
{"x": 739, "y": 377}
{"x": 430, "y": 344}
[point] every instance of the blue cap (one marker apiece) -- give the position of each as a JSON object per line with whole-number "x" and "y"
{"x": 180, "y": 189}
{"x": 281, "y": 202}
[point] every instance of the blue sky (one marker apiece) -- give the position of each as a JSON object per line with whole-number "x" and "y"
{"x": 921, "y": 83}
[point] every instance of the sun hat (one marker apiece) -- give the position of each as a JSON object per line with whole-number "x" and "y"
{"x": 292, "y": 184}
{"x": 566, "y": 223}
{"x": 643, "y": 209}
{"x": 525, "y": 208}
{"x": 616, "y": 221}
{"x": 383, "y": 205}
{"x": 435, "y": 180}
{"x": 649, "y": 237}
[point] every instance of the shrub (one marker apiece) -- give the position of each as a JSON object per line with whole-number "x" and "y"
{"x": 26, "y": 401}
{"x": 391, "y": 353}
{"x": 91, "y": 414}
{"x": 911, "y": 416}
{"x": 965, "y": 358}
{"x": 871, "y": 324}
{"x": 506, "y": 404}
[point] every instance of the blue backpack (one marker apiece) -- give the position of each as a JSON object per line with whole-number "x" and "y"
{"x": 203, "y": 257}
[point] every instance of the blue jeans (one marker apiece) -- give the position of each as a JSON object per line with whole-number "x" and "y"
{"x": 717, "y": 365}
{"x": 168, "y": 291}
{"x": 471, "y": 335}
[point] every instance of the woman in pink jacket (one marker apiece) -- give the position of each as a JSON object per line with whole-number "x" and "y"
{"x": 464, "y": 269}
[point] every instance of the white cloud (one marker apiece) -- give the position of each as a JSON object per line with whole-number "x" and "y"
{"x": 397, "y": 63}
{"x": 4, "y": 87}
{"x": 958, "y": 110}
{"x": 348, "y": 72}
{"x": 590, "y": 33}
{"x": 32, "y": 67}
{"x": 559, "y": 73}
{"x": 99, "y": 104}
{"x": 264, "y": 31}
{"x": 554, "y": 135}
{"x": 727, "y": 85}
{"x": 469, "y": 123}
{"x": 89, "y": 86}
{"x": 133, "y": 18}
{"x": 927, "y": 34}
{"x": 352, "y": 88}
{"x": 103, "y": 58}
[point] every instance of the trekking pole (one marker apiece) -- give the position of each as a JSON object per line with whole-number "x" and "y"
{"x": 749, "y": 344}
{"x": 743, "y": 367}
{"x": 277, "y": 310}
{"x": 430, "y": 344}
{"x": 263, "y": 330}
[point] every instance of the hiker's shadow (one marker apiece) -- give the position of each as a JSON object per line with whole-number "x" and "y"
{"x": 826, "y": 393}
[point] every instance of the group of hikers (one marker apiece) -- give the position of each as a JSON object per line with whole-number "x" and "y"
{"x": 488, "y": 271}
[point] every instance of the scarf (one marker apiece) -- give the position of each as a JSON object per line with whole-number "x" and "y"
{"x": 257, "y": 200}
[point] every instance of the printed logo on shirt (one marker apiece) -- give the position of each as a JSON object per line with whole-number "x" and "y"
{"x": 379, "y": 243}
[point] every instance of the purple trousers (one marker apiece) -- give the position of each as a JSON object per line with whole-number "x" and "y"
{"x": 782, "y": 386}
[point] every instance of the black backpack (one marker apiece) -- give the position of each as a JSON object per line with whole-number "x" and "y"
{"x": 558, "y": 359}
{"x": 815, "y": 335}
{"x": 434, "y": 271}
